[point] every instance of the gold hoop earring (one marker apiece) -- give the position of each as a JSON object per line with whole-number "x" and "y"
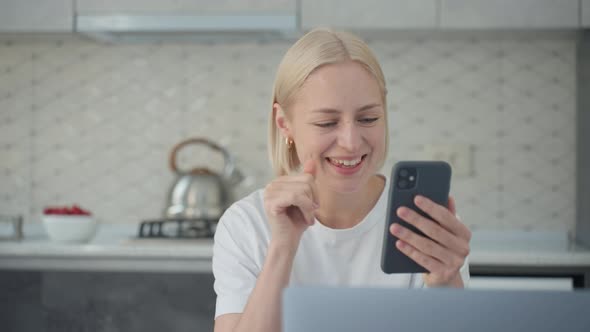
{"x": 289, "y": 143}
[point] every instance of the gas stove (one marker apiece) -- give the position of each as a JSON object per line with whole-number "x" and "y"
{"x": 177, "y": 228}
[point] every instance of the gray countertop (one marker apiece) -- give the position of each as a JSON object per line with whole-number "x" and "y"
{"x": 114, "y": 248}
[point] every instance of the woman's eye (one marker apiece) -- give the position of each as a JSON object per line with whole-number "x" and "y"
{"x": 334, "y": 123}
{"x": 326, "y": 124}
{"x": 368, "y": 120}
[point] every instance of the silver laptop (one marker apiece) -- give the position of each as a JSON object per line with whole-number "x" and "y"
{"x": 311, "y": 309}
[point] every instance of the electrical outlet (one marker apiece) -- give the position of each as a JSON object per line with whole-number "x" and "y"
{"x": 459, "y": 156}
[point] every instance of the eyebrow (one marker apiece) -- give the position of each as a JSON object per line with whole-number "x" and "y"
{"x": 332, "y": 110}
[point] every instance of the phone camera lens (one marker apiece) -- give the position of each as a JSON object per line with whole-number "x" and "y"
{"x": 402, "y": 184}
{"x": 403, "y": 173}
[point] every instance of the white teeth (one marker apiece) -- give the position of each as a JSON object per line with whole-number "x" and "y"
{"x": 347, "y": 163}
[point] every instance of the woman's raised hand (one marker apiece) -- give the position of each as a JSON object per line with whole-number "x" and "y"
{"x": 290, "y": 202}
{"x": 445, "y": 252}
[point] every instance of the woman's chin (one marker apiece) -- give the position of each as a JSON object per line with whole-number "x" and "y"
{"x": 348, "y": 186}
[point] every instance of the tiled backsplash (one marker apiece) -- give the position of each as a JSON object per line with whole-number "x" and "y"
{"x": 93, "y": 124}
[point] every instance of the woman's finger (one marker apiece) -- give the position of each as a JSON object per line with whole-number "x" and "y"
{"x": 441, "y": 214}
{"x": 309, "y": 171}
{"x": 429, "y": 263}
{"x": 286, "y": 199}
{"x": 452, "y": 206}
{"x": 435, "y": 231}
{"x": 425, "y": 245}
{"x": 292, "y": 186}
{"x": 307, "y": 179}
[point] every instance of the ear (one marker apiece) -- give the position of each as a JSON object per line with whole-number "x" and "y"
{"x": 281, "y": 120}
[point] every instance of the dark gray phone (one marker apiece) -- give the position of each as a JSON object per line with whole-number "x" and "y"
{"x": 431, "y": 179}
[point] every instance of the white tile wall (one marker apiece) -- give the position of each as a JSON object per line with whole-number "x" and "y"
{"x": 93, "y": 124}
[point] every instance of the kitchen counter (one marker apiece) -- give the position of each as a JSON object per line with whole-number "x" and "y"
{"x": 522, "y": 248}
{"x": 115, "y": 249}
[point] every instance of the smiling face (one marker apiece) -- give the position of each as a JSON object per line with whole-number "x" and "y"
{"x": 337, "y": 118}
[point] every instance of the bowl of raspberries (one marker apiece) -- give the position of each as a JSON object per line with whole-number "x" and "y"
{"x": 69, "y": 224}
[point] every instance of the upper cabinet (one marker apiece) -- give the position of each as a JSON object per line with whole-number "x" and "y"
{"x": 289, "y": 15}
{"x": 185, "y": 15}
{"x": 36, "y": 15}
{"x": 442, "y": 14}
{"x": 509, "y": 14}
{"x": 585, "y": 16}
{"x": 188, "y": 7}
{"x": 369, "y": 14}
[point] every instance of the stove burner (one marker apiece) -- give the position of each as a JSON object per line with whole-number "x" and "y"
{"x": 182, "y": 228}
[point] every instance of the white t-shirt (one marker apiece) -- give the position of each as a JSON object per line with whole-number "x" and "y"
{"x": 329, "y": 257}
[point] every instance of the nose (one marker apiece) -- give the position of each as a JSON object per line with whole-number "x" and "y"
{"x": 349, "y": 136}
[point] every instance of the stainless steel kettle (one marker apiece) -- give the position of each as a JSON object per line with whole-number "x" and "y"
{"x": 200, "y": 192}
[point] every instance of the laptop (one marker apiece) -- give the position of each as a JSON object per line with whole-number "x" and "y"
{"x": 324, "y": 309}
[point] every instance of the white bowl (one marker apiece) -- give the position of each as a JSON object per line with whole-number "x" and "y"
{"x": 69, "y": 228}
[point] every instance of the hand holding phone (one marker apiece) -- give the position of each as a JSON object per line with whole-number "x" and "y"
{"x": 432, "y": 239}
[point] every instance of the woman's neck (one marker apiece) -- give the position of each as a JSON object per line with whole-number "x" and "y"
{"x": 340, "y": 211}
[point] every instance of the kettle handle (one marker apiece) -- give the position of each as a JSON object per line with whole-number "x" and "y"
{"x": 229, "y": 167}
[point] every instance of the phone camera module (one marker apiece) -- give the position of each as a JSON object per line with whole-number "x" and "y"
{"x": 403, "y": 184}
{"x": 406, "y": 178}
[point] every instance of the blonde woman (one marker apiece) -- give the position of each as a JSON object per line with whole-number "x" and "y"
{"x": 321, "y": 220}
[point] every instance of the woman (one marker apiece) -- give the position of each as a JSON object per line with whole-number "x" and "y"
{"x": 320, "y": 222}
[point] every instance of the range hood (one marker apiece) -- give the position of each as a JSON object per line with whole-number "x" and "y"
{"x": 149, "y": 28}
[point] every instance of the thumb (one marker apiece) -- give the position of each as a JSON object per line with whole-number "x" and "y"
{"x": 309, "y": 167}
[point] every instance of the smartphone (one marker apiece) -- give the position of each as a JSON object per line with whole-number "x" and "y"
{"x": 431, "y": 179}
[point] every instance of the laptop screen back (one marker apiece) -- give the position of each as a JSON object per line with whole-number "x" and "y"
{"x": 311, "y": 309}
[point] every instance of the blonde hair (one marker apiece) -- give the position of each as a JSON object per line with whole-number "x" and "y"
{"x": 316, "y": 48}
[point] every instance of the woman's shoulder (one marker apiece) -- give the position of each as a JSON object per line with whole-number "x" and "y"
{"x": 246, "y": 213}
{"x": 239, "y": 239}
{"x": 253, "y": 201}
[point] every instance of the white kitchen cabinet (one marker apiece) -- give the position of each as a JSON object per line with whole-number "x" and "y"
{"x": 188, "y": 7}
{"x": 585, "y": 13}
{"x": 369, "y": 14}
{"x": 509, "y": 14}
{"x": 185, "y": 15}
{"x": 36, "y": 15}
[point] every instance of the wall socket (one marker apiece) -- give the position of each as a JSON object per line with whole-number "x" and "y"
{"x": 459, "y": 156}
